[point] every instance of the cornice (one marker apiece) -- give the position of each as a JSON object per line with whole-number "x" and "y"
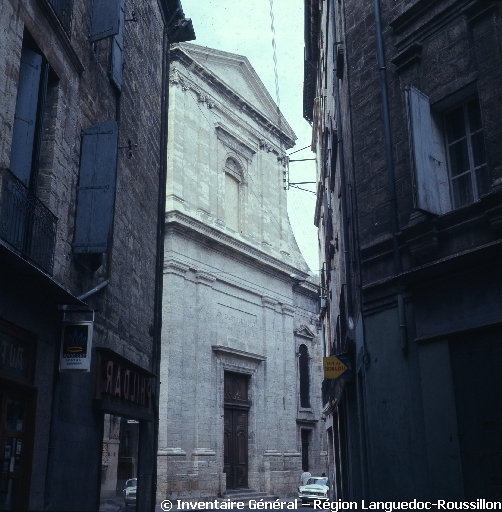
{"x": 176, "y": 78}
{"x": 208, "y": 77}
{"x": 62, "y": 35}
{"x": 213, "y": 234}
{"x": 205, "y": 278}
{"x": 233, "y": 141}
{"x": 288, "y": 309}
{"x": 304, "y": 332}
{"x": 175, "y": 267}
{"x": 425, "y": 17}
{"x": 269, "y": 302}
{"x": 220, "y": 349}
{"x": 169, "y": 452}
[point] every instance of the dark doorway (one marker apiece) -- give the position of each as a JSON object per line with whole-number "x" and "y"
{"x": 16, "y": 433}
{"x": 476, "y": 361}
{"x": 236, "y": 430}
{"x": 305, "y": 449}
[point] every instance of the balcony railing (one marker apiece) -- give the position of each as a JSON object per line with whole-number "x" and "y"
{"x": 26, "y": 223}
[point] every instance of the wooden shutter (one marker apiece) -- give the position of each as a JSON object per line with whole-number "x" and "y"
{"x": 96, "y": 190}
{"x": 23, "y": 133}
{"x": 105, "y": 18}
{"x": 423, "y": 164}
{"x": 118, "y": 52}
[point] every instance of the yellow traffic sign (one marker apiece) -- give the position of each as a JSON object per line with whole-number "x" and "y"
{"x": 333, "y": 367}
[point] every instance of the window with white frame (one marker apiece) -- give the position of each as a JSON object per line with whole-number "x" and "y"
{"x": 465, "y": 143}
{"x": 448, "y": 158}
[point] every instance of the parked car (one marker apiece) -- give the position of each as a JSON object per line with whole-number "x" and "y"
{"x": 315, "y": 489}
{"x": 130, "y": 491}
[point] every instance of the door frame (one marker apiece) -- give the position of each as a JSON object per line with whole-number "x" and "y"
{"x": 234, "y": 406}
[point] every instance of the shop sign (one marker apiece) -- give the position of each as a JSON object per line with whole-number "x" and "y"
{"x": 338, "y": 367}
{"x": 14, "y": 354}
{"x": 76, "y": 343}
{"x": 126, "y": 384}
{"x": 120, "y": 381}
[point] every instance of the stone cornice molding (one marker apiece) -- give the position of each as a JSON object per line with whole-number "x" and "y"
{"x": 304, "y": 332}
{"x": 292, "y": 454}
{"x": 178, "y": 79}
{"x": 281, "y": 130}
{"x": 203, "y": 452}
{"x": 288, "y": 309}
{"x": 166, "y": 452}
{"x": 205, "y": 278}
{"x": 234, "y": 142}
{"x": 213, "y": 234}
{"x": 220, "y": 349}
{"x": 272, "y": 453}
{"x": 64, "y": 38}
{"x": 269, "y": 302}
{"x": 175, "y": 267}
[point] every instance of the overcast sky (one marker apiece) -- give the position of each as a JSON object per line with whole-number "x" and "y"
{"x": 244, "y": 28}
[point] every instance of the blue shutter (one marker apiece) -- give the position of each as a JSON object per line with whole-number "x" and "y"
{"x": 96, "y": 189}
{"x": 423, "y": 164}
{"x": 118, "y": 52}
{"x": 104, "y": 19}
{"x": 25, "y": 117}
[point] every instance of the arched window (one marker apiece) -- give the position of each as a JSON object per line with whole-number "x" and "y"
{"x": 232, "y": 199}
{"x": 304, "y": 377}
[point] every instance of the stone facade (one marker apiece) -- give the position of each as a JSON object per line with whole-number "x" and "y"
{"x": 231, "y": 305}
{"x": 45, "y": 50}
{"x": 404, "y": 99}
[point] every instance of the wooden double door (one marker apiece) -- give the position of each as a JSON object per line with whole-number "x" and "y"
{"x": 237, "y": 406}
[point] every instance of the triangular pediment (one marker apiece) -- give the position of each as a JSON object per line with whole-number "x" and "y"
{"x": 236, "y": 72}
{"x": 305, "y": 332}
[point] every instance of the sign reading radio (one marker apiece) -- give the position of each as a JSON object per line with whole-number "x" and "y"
{"x": 126, "y": 384}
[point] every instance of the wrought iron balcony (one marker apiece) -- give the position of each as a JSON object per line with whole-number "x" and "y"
{"x": 26, "y": 223}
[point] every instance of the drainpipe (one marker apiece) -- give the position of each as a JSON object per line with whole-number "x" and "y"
{"x": 390, "y": 176}
{"x": 159, "y": 263}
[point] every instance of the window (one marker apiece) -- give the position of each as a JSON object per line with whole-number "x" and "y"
{"x": 448, "y": 159}
{"x": 63, "y": 9}
{"x": 26, "y": 223}
{"x": 466, "y": 153}
{"x": 304, "y": 377}
{"x": 96, "y": 189}
{"x": 108, "y": 20}
{"x": 232, "y": 194}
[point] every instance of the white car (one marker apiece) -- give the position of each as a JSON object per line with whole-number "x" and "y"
{"x": 316, "y": 489}
{"x": 130, "y": 491}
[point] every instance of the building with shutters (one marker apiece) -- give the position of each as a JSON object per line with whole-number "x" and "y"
{"x": 240, "y": 396}
{"x": 83, "y": 115}
{"x": 404, "y": 101}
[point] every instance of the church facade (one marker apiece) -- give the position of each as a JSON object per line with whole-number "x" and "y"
{"x": 240, "y": 393}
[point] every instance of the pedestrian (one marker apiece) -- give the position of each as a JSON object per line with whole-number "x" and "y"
{"x": 305, "y": 477}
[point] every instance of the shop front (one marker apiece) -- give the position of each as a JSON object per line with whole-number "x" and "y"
{"x": 17, "y": 414}
{"x": 124, "y": 396}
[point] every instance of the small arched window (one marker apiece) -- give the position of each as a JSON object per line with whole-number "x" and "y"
{"x": 304, "y": 376}
{"x": 232, "y": 194}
